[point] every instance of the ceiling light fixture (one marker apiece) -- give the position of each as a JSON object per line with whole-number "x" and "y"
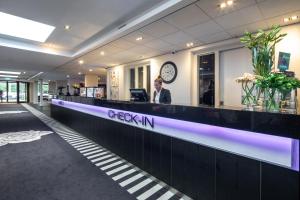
{"x": 24, "y": 28}
{"x": 229, "y": 3}
{"x": 9, "y": 72}
{"x": 68, "y": 76}
{"x": 139, "y": 38}
{"x": 295, "y": 17}
{"x": 90, "y": 70}
{"x": 79, "y": 73}
{"x": 225, "y": 4}
{"x": 8, "y": 76}
{"x": 81, "y": 62}
{"x": 102, "y": 53}
{"x": 190, "y": 44}
{"x": 35, "y": 75}
{"x": 67, "y": 27}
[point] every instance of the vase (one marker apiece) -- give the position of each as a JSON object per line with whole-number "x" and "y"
{"x": 288, "y": 101}
{"x": 271, "y": 99}
{"x": 248, "y": 98}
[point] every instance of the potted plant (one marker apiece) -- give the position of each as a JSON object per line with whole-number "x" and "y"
{"x": 262, "y": 46}
{"x": 278, "y": 89}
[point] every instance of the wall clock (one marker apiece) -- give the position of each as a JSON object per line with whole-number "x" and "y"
{"x": 168, "y": 72}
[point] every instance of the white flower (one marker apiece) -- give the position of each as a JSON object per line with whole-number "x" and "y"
{"x": 247, "y": 77}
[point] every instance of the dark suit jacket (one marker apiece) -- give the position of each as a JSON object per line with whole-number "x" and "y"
{"x": 165, "y": 96}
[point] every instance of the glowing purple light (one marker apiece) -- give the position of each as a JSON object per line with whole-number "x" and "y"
{"x": 273, "y": 149}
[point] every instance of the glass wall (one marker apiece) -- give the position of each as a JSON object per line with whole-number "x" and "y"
{"x": 3, "y": 92}
{"x": 13, "y": 92}
{"x": 23, "y": 91}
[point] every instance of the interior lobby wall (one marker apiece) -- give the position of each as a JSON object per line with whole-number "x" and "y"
{"x": 183, "y": 88}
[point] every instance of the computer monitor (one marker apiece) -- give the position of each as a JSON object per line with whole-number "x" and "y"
{"x": 139, "y": 95}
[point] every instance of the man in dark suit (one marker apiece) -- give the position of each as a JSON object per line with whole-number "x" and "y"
{"x": 161, "y": 95}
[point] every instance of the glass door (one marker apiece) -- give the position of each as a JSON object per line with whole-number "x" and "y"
{"x": 206, "y": 65}
{"x": 22, "y": 92}
{"x": 12, "y": 92}
{"x": 3, "y": 92}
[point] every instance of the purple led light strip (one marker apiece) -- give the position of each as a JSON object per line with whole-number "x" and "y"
{"x": 199, "y": 133}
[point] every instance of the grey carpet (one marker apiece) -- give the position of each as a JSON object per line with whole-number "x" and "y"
{"x": 48, "y": 169}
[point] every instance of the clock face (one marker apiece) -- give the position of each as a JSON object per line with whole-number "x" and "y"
{"x": 168, "y": 72}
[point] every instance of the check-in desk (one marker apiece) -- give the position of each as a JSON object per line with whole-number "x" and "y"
{"x": 206, "y": 153}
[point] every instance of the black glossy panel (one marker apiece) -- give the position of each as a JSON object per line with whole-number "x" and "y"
{"x": 237, "y": 177}
{"x": 279, "y": 183}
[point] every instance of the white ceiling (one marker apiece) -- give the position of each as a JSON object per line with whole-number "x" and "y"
{"x": 200, "y": 22}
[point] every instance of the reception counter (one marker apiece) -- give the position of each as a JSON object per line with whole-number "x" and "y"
{"x": 206, "y": 153}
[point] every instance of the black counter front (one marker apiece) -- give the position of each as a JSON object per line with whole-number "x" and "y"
{"x": 207, "y": 153}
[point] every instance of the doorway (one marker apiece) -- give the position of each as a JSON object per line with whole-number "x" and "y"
{"x": 206, "y": 68}
{"x": 14, "y": 92}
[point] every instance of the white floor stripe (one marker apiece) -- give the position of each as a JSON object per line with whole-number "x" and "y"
{"x": 166, "y": 196}
{"x": 86, "y": 147}
{"x": 82, "y": 145}
{"x": 101, "y": 158}
{"x": 90, "y": 150}
{"x": 131, "y": 179}
{"x": 111, "y": 165}
{"x": 106, "y": 161}
{"x": 149, "y": 192}
{"x": 117, "y": 170}
{"x": 139, "y": 186}
{"x": 93, "y": 152}
{"x": 68, "y": 137}
{"x": 81, "y": 142}
{"x": 122, "y": 175}
{"x": 97, "y": 155}
{"x": 76, "y": 140}
{"x": 87, "y": 150}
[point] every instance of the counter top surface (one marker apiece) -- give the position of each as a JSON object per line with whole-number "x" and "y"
{"x": 286, "y": 125}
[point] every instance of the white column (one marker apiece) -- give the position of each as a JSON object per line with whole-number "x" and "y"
{"x": 35, "y": 92}
{"x": 41, "y": 91}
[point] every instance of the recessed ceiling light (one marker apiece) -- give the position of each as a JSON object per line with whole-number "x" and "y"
{"x": 223, "y": 5}
{"x": 8, "y": 76}
{"x": 68, "y": 76}
{"x": 9, "y": 72}
{"x": 190, "y": 44}
{"x": 79, "y": 73}
{"x": 24, "y": 28}
{"x": 229, "y": 3}
{"x": 81, "y": 62}
{"x": 139, "y": 38}
{"x": 67, "y": 27}
{"x": 24, "y": 72}
{"x": 90, "y": 70}
{"x": 102, "y": 53}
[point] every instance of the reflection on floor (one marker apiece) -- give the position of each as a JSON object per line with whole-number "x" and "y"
{"x": 124, "y": 175}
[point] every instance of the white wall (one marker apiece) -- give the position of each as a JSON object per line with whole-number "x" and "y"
{"x": 181, "y": 87}
{"x": 233, "y": 63}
